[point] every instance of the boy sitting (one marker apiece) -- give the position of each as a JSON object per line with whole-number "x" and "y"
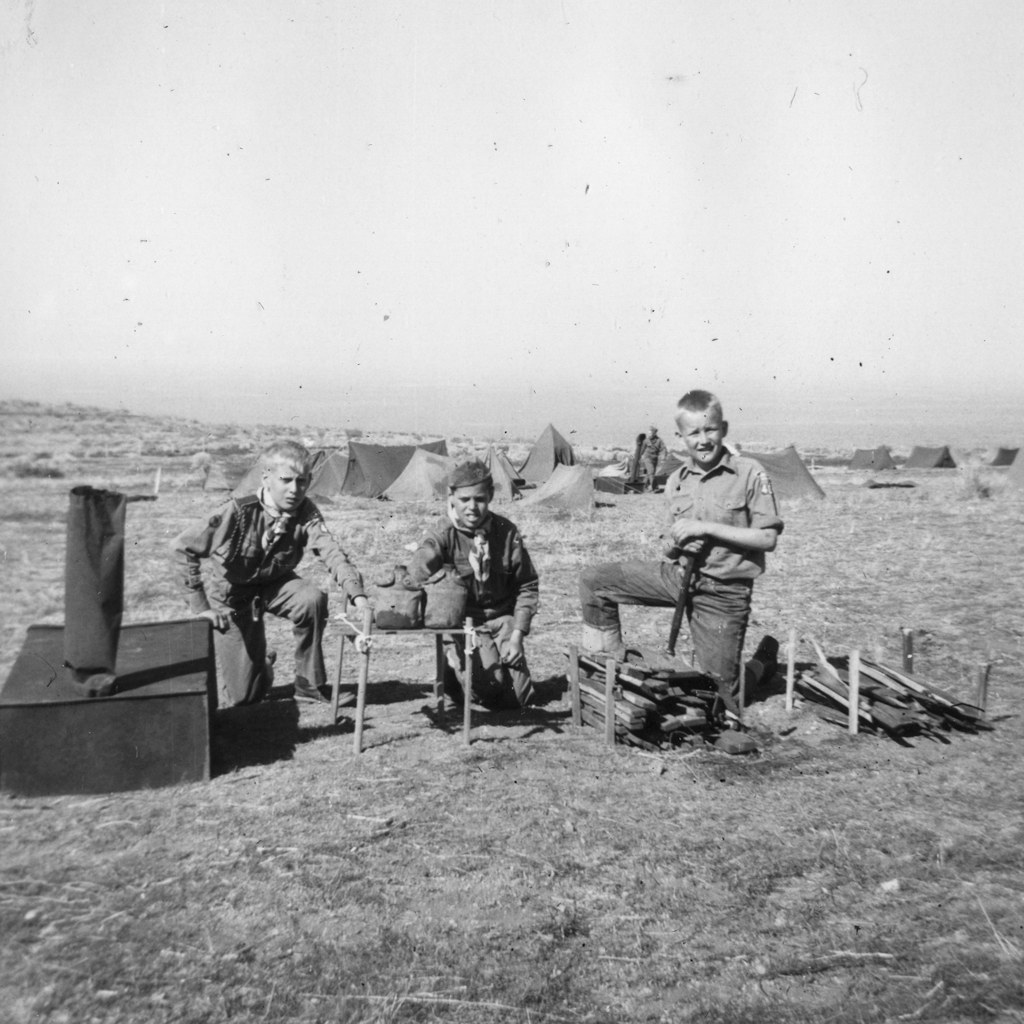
{"x": 253, "y": 545}
{"x": 722, "y": 514}
{"x": 488, "y": 553}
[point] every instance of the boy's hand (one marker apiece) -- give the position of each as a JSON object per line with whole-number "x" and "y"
{"x": 514, "y": 654}
{"x": 361, "y": 602}
{"x": 683, "y": 530}
{"x": 220, "y": 621}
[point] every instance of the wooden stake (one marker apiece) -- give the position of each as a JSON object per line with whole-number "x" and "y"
{"x": 156, "y": 479}
{"x": 854, "y": 708}
{"x": 609, "y": 702}
{"x": 574, "y": 685}
{"x": 908, "y": 649}
{"x": 790, "y": 669}
{"x": 467, "y": 693}
{"x": 336, "y": 688}
{"x": 364, "y": 675}
{"x": 981, "y": 685}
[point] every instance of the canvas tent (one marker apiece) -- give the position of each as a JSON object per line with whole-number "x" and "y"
{"x": 373, "y": 468}
{"x": 1015, "y": 474}
{"x": 930, "y": 458}
{"x": 503, "y": 475}
{"x": 1004, "y": 457}
{"x": 568, "y": 487}
{"x": 788, "y": 473}
{"x": 329, "y": 475}
{"x": 550, "y": 450}
{"x": 872, "y": 459}
{"x": 425, "y": 478}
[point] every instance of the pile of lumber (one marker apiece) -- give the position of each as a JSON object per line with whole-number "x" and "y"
{"x": 889, "y": 699}
{"x": 653, "y": 708}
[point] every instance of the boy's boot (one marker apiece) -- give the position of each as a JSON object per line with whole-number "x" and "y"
{"x": 598, "y": 640}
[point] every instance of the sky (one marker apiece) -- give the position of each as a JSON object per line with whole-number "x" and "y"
{"x": 377, "y": 210}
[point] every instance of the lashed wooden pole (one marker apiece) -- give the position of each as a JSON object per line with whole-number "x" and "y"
{"x": 364, "y": 675}
{"x": 467, "y": 675}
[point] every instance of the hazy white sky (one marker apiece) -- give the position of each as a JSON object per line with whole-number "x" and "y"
{"x": 202, "y": 200}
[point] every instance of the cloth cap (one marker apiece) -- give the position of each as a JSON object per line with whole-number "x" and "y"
{"x": 469, "y": 473}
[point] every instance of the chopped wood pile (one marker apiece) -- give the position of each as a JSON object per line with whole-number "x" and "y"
{"x": 654, "y": 708}
{"x": 890, "y": 700}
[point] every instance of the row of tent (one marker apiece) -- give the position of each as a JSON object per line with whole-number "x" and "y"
{"x": 411, "y": 472}
{"x": 875, "y": 459}
{"x": 549, "y": 477}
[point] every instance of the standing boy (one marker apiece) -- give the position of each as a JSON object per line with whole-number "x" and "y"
{"x": 253, "y": 545}
{"x": 487, "y": 551}
{"x": 722, "y": 515}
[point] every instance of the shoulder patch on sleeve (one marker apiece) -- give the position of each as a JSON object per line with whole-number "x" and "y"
{"x": 765, "y": 483}
{"x": 215, "y": 521}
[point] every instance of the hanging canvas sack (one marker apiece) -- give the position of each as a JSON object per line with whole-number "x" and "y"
{"x": 447, "y": 598}
{"x": 93, "y": 588}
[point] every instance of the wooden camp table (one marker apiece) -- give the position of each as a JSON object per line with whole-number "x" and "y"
{"x": 349, "y": 631}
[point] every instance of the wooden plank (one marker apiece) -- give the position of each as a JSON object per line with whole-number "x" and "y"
{"x": 574, "y": 684}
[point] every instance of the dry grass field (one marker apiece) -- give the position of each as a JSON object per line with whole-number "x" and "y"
{"x": 536, "y": 875}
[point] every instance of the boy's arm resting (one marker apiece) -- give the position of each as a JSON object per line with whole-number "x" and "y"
{"x": 753, "y": 538}
{"x": 190, "y": 547}
{"x": 324, "y": 545}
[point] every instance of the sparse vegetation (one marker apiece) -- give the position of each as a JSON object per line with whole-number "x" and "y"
{"x": 538, "y": 876}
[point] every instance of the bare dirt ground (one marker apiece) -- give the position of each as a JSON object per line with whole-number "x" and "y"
{"x": 536, "y": 875}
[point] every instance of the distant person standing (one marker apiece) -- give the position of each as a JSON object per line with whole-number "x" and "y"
{"x": 652, "y": 451}
{"x": 253, "y": 545}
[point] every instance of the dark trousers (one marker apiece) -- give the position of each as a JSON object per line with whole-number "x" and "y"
{"x": 495, "y": 684}
{"x": 242, "y": 650}
{"x": 717, "y": 611}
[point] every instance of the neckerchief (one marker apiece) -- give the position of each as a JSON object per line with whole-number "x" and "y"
{"x": 480, "y": 552}
{"x": 279, "y": 524}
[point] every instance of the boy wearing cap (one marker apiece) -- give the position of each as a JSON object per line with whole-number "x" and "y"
{"x": 253, "y": 545}
{"x": 487, "y": 551}
{"x": 652, "y": 452}
{"x": 721, "y": 515}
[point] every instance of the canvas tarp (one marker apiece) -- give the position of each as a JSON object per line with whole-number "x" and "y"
{"x": 1004, "y": 457}
{"x": 373, "y": 468}
{"x": 425, "y": 478}
{"x": 788, "y": 473}
{"x": 930, "y": 458}
{"x": 549, "y": 451}
{"x": 568, "y": 487}
{"x": 503, "y": 475}
{"x": 872, "y": 459}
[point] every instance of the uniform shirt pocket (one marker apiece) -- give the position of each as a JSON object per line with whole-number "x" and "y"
{"x": 732, "y": 512}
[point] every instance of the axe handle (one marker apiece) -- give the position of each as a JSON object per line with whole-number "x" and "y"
{"x": 684, "y": 594}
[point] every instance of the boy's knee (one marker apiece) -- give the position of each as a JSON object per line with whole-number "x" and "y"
{"x": 309, "y": 603}
{"x": 590, "y": 578}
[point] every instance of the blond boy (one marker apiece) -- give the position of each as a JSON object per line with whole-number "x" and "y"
{"x": 722, "y": 515}
{"x": 252, "y": 546}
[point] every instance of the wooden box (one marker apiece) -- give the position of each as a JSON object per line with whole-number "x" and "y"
{"x": 155, "y": 731}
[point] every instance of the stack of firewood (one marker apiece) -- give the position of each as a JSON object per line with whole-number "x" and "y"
{"x": 889, "y": 699}
{"x": 654, "y": 708}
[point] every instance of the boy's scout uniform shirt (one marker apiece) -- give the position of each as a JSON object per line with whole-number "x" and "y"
{"x": 736, "y": 492}
{"x": 512, "y": 586}
{"x": 245, "y": 552}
